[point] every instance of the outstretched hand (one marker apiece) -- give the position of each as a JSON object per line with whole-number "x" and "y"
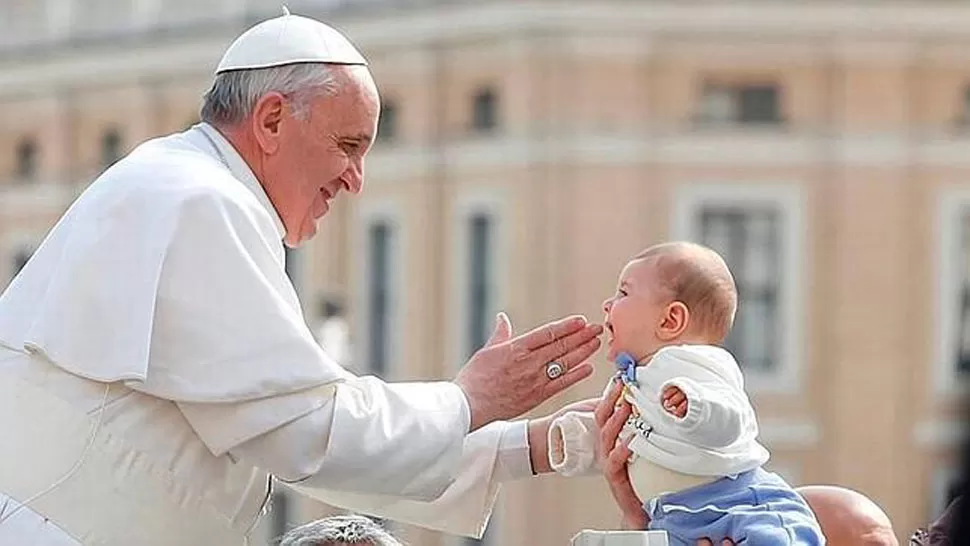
{"x": 507, "y": 377}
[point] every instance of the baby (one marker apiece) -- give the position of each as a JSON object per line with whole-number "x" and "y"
{"x": 696, "y": 463}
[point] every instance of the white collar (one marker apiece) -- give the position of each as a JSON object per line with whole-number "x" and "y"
{"x": 241, "y": 171}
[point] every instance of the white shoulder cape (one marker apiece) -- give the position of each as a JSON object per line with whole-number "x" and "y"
{"x": 167, "y": 273}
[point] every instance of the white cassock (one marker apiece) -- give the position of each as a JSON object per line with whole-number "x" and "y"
{"x": 156, "y": 369}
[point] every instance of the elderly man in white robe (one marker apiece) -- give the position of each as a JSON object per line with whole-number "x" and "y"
{"x": 155, "y": 367}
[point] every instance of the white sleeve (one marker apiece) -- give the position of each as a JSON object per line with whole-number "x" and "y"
{"x": 716, "y": 415}
{"x": 492, "y": 455}
{"x": 364, "y": 436}
{"x": 572, "y": 444}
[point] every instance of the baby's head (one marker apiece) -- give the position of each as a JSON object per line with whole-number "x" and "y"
{"x": 670, "y": 294}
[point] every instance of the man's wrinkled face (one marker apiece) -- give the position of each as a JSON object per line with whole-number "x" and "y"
{"x": 323, "y": 155}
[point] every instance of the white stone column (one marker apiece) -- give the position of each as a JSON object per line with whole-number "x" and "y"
{"x": 57, "y": 138}
{"x": 234, "y": 8}
{"x": 145, "y": 13}
{"x": 58, "y": 18}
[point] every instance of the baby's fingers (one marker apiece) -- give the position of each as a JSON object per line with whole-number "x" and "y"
{"x": 677, "y": 397}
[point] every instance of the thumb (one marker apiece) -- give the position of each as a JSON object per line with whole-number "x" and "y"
{"x": 502, "y": 331}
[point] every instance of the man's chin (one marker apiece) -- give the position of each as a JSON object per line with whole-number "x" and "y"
{"x": 305, "y": 235}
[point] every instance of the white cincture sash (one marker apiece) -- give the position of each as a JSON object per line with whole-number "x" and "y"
{"x": 94, "y": 486}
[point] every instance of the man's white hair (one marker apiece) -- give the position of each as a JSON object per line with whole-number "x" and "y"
{"x": 233, "y": 94}
{"x": 339, "y": 531}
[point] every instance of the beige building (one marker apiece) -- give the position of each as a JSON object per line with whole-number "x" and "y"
{"x": 528, "y": 148}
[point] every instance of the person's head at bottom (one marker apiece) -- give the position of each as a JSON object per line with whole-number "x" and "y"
{"x": 340, "y": 531}
{"x": 847, "y": 518}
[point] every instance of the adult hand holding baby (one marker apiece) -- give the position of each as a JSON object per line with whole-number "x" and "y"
{"x": 611, "y": 414}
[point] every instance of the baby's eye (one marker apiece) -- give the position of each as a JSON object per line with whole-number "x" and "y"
{"x": 621, "y": 292}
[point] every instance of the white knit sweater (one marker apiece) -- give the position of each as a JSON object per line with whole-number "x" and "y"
{"x": 716, "y": 438}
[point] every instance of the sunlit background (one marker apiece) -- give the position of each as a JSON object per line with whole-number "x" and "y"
{"x": 528, "y": 148}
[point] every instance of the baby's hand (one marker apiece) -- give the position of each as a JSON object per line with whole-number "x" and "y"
{"x": 675, "y": 401}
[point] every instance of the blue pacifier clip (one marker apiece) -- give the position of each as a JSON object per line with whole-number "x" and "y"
{"x": 627, "y": 367}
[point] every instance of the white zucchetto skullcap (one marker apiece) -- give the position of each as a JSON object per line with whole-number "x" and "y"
{"x": 289, "y": 39}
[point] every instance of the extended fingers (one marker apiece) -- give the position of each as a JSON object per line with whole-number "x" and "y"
{"x": 549, "y": 333}
{"x": 674, "y": 396}
{"x": 581, "y": 340}
{"x": 580, "y": 354}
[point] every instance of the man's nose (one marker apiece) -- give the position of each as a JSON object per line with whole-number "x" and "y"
{"x": 354, "y": 177}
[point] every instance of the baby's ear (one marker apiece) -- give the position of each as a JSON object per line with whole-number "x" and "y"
{"x": 674, "y": 321}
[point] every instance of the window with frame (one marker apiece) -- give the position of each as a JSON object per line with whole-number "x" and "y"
{"x": 963, "y": 108}
{"x": 961, "y": 353}
{"x": 485, "y": 110}
{"x": 479, "y": 287}
{"x": 740, "y": 104}
{"x": 379, "y": 246}
{"x": 111, "y": 150}
{"x": 748, "y": 238}
{"x": 27, "y": 154}
{"x": 20, "y": 259}
{"x": 332, "y": 332}
{"x": 479, "y": 282}
{"x": 387, "y": 123}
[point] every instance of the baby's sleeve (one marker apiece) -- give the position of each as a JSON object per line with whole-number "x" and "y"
{"x": 572, "y": 444}
{"x": 717, "y": 415}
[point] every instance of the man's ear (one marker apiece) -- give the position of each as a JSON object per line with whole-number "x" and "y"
{"x": 267, "y": 120}
{"x": 673, "y": 322}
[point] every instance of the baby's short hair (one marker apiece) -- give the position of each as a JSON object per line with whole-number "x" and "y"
{"x": 700, "y": 278}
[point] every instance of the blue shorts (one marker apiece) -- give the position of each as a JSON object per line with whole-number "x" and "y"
{"x": 756, "y": 508}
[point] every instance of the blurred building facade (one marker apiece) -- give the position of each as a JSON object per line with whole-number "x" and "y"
{"x": 528, "y": 148}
